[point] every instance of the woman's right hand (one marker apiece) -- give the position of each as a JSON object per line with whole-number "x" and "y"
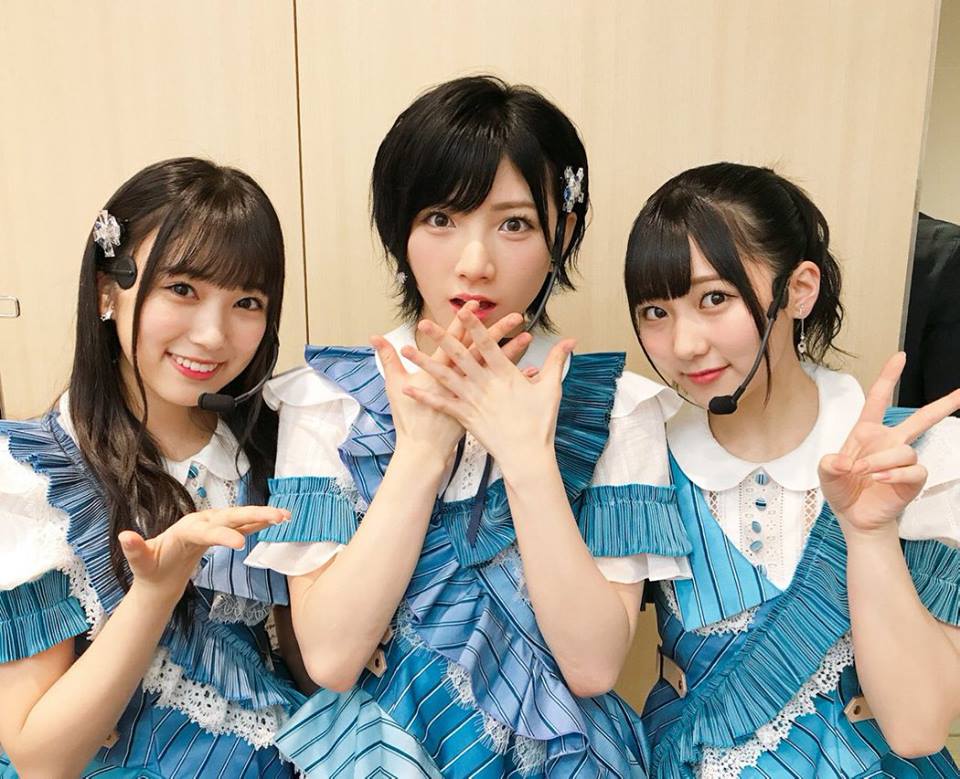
{"x": 420, "y": 428}
{"x": 168, "y": 560}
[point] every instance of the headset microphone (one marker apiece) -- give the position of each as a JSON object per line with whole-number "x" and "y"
{"x": 727, "y": 404}
{"x": 221, "y": 403}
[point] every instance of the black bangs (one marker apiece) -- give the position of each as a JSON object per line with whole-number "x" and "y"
{"x": 224, "y": 238}
{"x": 456, "y": 171}
{"x": 658, "y": 251}
{"x": 444, "y": 150}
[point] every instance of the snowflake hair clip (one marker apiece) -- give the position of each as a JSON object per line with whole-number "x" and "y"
{"x": 572, "y": 188}
{"x": 106, "y": 232}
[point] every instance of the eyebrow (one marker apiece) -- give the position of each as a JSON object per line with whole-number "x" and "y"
{"x": 510, "y": 205}
{"x": 703, "y": 279}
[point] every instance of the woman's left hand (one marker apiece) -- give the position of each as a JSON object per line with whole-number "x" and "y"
{"x": 512, "y": 413}
{"x": 876, "y": 474}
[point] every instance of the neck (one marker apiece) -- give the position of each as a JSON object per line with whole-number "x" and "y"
{"x": 763, "y": 429}
{"x": 180, "y": 431}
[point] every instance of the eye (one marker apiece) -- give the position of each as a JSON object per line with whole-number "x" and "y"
{"x": 516, "y": 224}
{"x": 714, "y": 298}
{"x": 251, "y": 304}
{"x": 438, "y": 219}
{"x": 652, "y": 313}
{"x": 181, "y": 289}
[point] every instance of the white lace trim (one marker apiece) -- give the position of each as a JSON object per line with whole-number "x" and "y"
{"x": 529, "y": 754}
{"x": 739, "y": 623}
{"x": 205, "y": 706}
{"x": 350, "y": 492}
{"x": 234, "y": 608}
{"x": 51, "y": 526}
{"x": 510, "y": 559}
{"x": 725, "y": 763}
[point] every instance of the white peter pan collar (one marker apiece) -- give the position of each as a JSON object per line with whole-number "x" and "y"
{"x": 534, "y": 357}
{"x": 218, "y": 456}
{"x": 713, "y": 468}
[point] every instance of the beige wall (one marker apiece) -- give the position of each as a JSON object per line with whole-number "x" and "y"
{"x": 940, "y": 172}
{"x": 92, "y": 92}
{"x": 832, "y": 94}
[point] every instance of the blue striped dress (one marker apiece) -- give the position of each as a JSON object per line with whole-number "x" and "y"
{"x": 777, "y": 690}
{"x": 211, "y": 702}
{"x": 469, "y": 686}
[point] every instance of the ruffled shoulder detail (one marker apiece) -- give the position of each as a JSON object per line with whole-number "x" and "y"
{"x": 47, "y": 448}
{"x": 38, "y": 615}
{"x": 935, "y": 569}
{"x": 302, "y": 388}
{"x": 634, "y": 389}
{"x": 33, "y": 531}
{"x": 935, "y": 513}
{"x": 319, "y": 511}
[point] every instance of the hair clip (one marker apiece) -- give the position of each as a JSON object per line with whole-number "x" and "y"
{"x": 572, "y": 188}
{"x": 106, "y": 232}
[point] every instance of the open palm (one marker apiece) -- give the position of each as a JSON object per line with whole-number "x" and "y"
{"x": 169, "y": 559}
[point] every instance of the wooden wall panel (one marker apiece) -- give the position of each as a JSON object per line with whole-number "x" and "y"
{"x": 94, "y": 91}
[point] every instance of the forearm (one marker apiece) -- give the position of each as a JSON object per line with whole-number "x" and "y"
{"x": 908, "y": 667}
{"x": 582, "y": 616}
{"x": 341, "y": 614}
{"x": 80, "y": 710}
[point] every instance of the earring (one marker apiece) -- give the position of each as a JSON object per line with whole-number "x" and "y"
{"x": 107, "y": 315}
{"x": 802, "y": 343}
{"x": 401, "y": 278}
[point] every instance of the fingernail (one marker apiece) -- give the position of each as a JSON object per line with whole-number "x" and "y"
{"x": 881, "y": 476}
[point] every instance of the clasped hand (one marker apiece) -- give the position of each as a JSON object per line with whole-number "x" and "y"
{"x": 512, "y": 413}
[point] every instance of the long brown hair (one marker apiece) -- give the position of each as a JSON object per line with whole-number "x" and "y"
{"x": 212, "y": 223}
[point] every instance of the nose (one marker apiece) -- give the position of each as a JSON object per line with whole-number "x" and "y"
{"x": 689, "y": 340}
{"x": 475, "y": 262}
{"x": 209, "y": 329}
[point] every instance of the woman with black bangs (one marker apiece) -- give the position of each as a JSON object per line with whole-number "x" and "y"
{"x": 465, "y": 580}
{"x": 824, "y": 525}
{"x": 132, "y": 639}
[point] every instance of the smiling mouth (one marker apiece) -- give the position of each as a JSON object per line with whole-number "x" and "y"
{"x": 194, "y": 369}
{"x": 707, "y": 376}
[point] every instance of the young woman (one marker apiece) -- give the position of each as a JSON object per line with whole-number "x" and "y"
{"x": 818, "y": 635}
{"x": 467, "y": 593}
{"x": 132, "y": 637}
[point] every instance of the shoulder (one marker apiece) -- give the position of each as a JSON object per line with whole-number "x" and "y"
{"x": 33, "y": 531}
{"x": 639, "y": 396}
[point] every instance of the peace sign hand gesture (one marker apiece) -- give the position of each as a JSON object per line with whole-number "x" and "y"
{"x": 876, "y": 474}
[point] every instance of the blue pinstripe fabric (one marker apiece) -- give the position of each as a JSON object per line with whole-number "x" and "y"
{"x": 740, "y": 681}
{"x": 471, "y": 689}
{"x": 724, "y": 582}
{"x": 154, "y": 741}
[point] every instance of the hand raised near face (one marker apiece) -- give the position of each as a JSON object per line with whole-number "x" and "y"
{"x": 511, "y": 413}
{"x": 876, "y": 474}
{"x": 419, "y": 426}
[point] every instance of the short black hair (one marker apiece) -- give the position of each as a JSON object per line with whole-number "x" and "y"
{"x": 444, "y": 151}
{"x": 734, "y": 212}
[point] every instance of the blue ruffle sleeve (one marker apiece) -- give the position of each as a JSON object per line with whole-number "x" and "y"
{"x": 38, "y": 615}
